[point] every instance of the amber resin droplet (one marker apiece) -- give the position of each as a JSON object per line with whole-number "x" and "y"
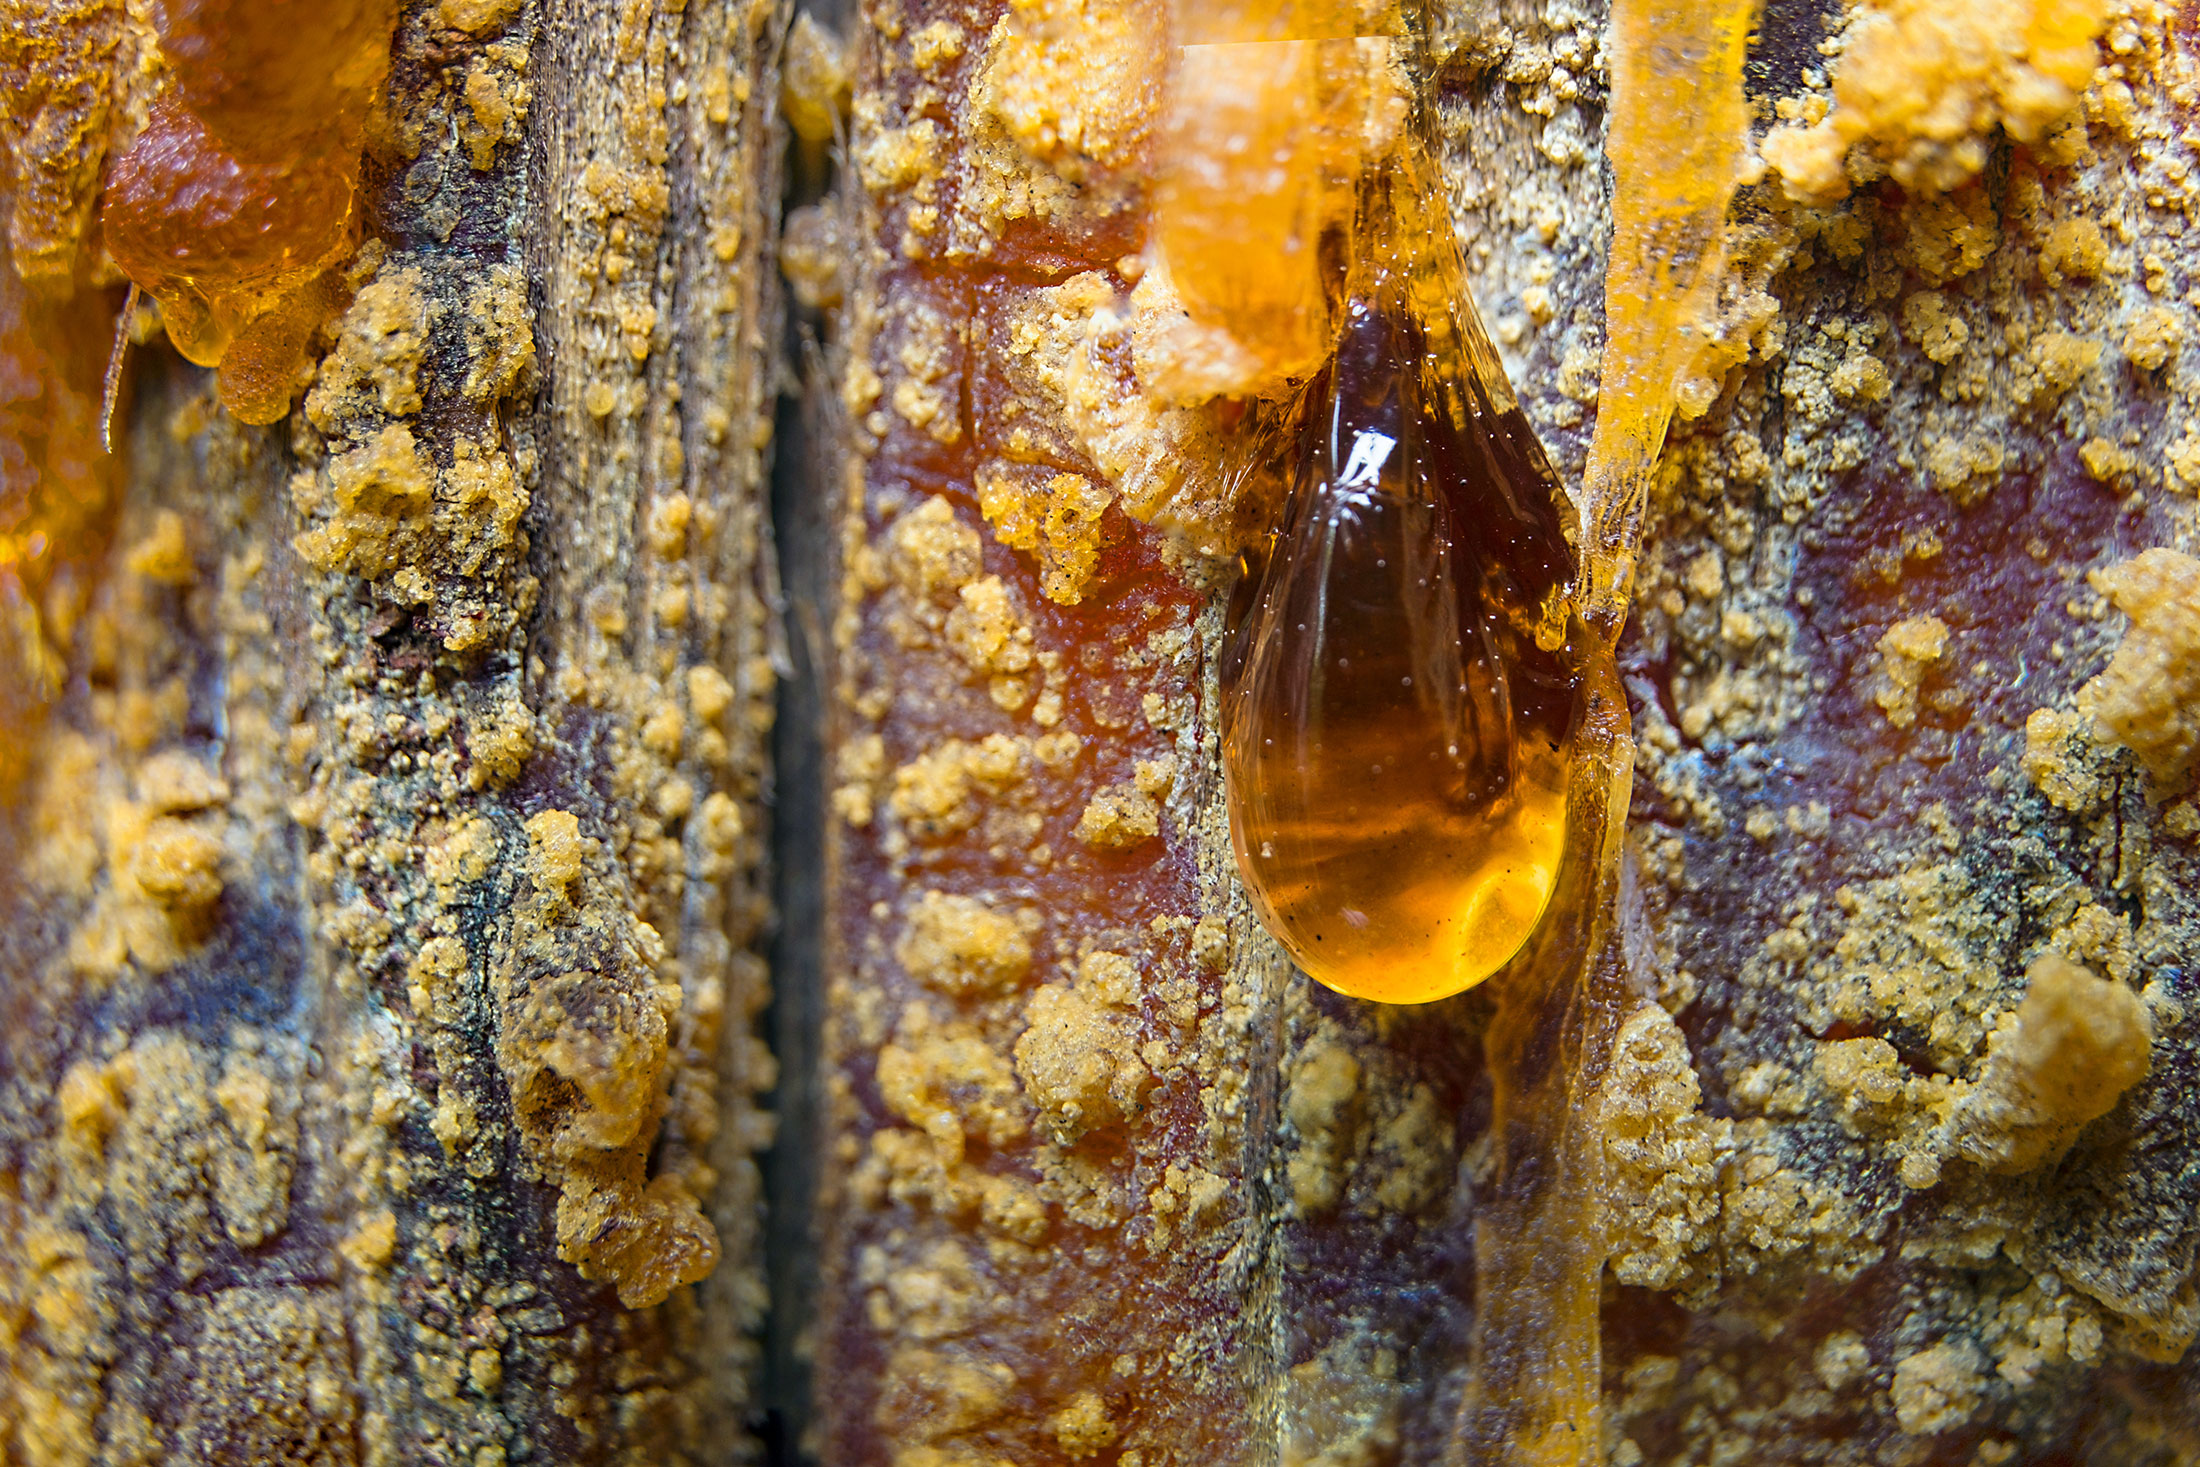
{"x": 1397, "y": 700}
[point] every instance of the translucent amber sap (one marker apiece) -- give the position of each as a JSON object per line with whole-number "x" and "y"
{"x": 54, "y": 479}
{"x": 237, "y": 201}
{"x": 1397, "y": 701}
{"x": 1262, "y": 153}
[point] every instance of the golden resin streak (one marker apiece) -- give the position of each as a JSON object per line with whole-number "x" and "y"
{"x": 1677, "y": 130}
{"x": 1676, "y": 134}
{"x": 1676, "y": 138}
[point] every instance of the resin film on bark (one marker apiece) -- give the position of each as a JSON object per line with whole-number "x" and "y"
{"x": 1403, "y": 693}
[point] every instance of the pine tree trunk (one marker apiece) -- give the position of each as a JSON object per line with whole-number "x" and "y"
{"x": 447, "y": 829}
{"x": 383, "y": 958}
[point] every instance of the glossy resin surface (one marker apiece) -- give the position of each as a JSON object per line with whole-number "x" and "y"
{"x": 1398, "y": 697}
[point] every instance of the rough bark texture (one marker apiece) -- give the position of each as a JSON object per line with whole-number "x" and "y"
{"x": 382, "y": 896}
{"x": 1865, "y": 575}
{"x": 381, "y": 876}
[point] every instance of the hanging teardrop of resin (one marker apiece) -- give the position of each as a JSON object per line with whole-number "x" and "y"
{"x": 1397, "y": 701}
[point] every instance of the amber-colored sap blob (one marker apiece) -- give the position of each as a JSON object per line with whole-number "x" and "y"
{"x": 1397, "y": 704}
{"x": 1262, "y": 149}
{"x": 220, "y": 241}
{"x": 235, "y": 204}
{"x": 267, "y": 75}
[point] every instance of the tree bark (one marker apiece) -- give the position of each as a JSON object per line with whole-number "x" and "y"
{"x": 391, "y": 826}
{"x": 385, "y": 896}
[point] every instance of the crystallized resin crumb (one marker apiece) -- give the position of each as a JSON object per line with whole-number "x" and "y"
{"x": 2148, "y": 698}
{"x": 1924, "y": 83}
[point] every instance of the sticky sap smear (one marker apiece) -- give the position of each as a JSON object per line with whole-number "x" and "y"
{"x": 1398, "y": 705}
